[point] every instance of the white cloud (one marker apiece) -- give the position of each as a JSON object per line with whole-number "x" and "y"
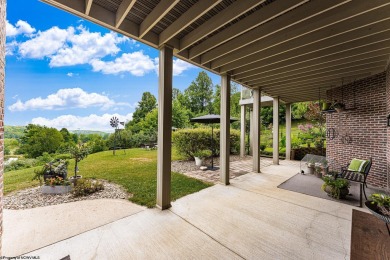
{"x": 10, "y": 48}
{"x": 71, "y": 74}
{"x": 91, "y": 122}
{"x": 71, "y": 46}
{"x": 66, "y": 98}
{"x": 45, "y": 43}
{"x": 136, "y": 63}
{"x": 86, "y": 46}
{"x": 180, "y": 66}
{"x": 21, "y": 27}
{"x": 76, "y": 46}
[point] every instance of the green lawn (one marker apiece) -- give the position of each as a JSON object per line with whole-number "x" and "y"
{"x": 135, "y": 171}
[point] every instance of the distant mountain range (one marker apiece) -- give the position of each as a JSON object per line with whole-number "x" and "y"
{"x": 18, "y": 131}
{"x": 88, "y": 132}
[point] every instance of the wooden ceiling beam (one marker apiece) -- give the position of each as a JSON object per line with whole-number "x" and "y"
{"x": 367, "y": 44}
{"x": 260, "y": 17}
{"x": 187, "y": 18}
{"x": 105, "y": 18}
{"x": 303, "y": 84}
{"x": 155, "y": 16}
{"x": 123, "y": 10}
{"x": 88, "y": 5}
{"x": 345, "y": 31}
{"x": 214, "y": 23}
{"x": 372, "y": 63}
{"x": 274, "y": 27}
{"x": 284, "y": 73}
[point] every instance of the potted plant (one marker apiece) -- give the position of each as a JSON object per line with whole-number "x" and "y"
{"x": 310, "y": 167}
{"x": 78, "y": 153}
{"x": 318, "y": 169}
{"x": 56, "y": 185}
{"x": 379, "y": 206}
{"x": 57, "y": 168}
{"x": 200, "y": 156}
{"x": 336, "y": 188}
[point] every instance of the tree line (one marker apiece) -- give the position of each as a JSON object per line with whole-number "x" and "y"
{"x": 200, "y": 98}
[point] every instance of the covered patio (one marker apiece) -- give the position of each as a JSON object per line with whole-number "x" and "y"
{"x": 292, "y": 51}
{"x": 249, "y": 219}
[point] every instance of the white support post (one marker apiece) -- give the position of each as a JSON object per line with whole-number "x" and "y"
{"x": 288, "y": 131}
{"x": 225, "y": 129}
{"x": 164, "y": 128}
{"x": 243, "y": 127}
{"x": 275, "y": 146}
{"x": 256, "y": 129}
{"x": 251, "y": 132}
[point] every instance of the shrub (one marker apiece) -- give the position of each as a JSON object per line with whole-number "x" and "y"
{"x": 20, "y": 164}
{"x": 190, "y": 141}
{"x": 64, "y": 156}
{"x": 202, "y": 153}
{"x": 87, "y": 186}
{"x": 382, "y": 201}
{"x": 44, "y": 158}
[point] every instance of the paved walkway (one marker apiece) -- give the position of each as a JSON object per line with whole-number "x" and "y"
{"x": 237, "y": 168}
{"x": 249, "y": 219}
{"x": 29, "y": 229}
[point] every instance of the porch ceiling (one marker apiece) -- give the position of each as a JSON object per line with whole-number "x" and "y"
{"x": 291, "y": 49}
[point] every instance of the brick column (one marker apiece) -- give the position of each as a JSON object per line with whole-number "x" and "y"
{"x": 2, "y": 76}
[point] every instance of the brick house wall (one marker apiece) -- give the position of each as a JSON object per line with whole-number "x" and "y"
{"x": 366, "y": 125}
{"x": 388, "y": 128}
{"x": 2, "y": 76}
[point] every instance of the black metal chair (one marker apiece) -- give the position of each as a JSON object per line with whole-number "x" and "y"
{"x": 359, "y": 177}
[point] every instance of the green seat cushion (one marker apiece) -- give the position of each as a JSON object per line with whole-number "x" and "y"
{"x": 357, "y": 165}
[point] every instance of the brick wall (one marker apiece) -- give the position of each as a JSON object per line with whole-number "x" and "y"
{"x": 2, "y": 74}
{"x": 388, "y": 128}
{"x": 366, "y": 125}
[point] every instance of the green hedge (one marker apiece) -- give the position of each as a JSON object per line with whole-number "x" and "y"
{"x": 189, "y": 141}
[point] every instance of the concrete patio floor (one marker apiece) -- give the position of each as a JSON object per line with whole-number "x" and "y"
{"x": 250, "y": 219}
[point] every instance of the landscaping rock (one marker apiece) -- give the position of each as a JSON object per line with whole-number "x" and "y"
{"x": 33, "y": 197}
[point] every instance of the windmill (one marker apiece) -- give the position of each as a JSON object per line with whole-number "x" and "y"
{"x": 114, "y": 122}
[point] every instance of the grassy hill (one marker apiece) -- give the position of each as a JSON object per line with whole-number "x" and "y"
{"x": 13, "y": 131}
{"x": 135, "y": 171}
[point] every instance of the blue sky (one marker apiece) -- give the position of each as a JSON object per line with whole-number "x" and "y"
{"x": 62, "y": 71}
